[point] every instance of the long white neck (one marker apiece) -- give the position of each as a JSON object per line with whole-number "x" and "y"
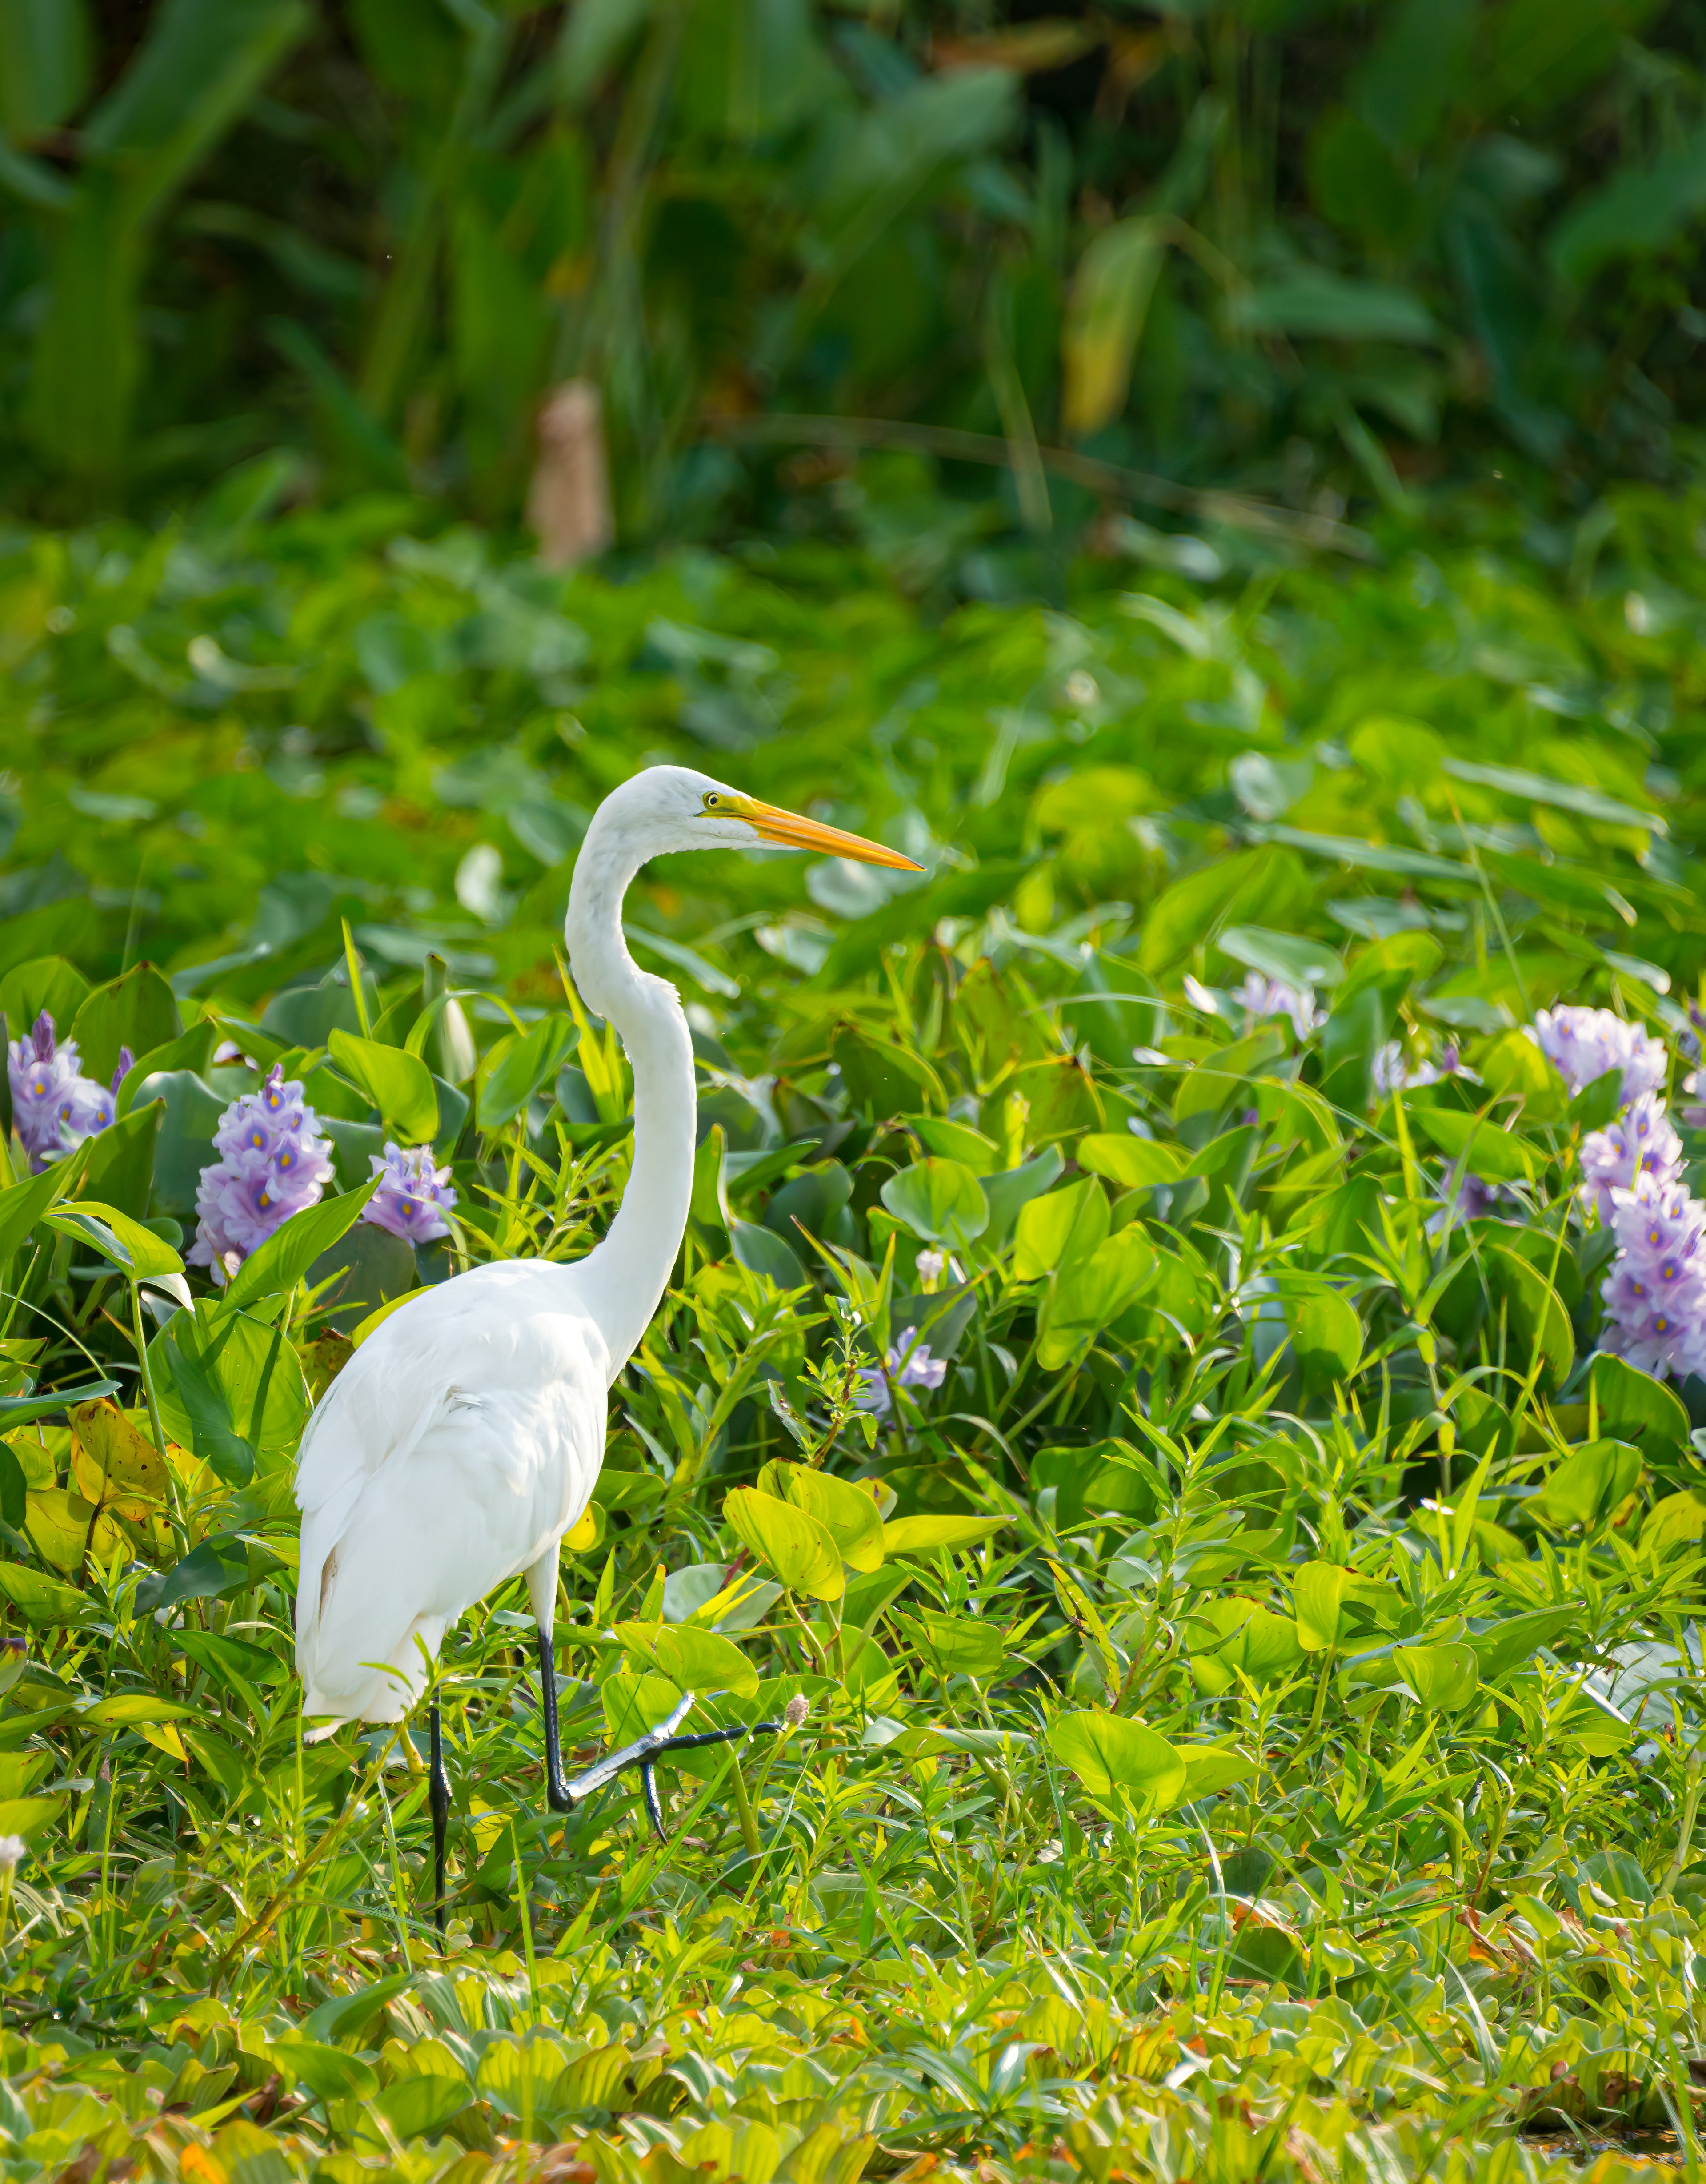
{"x": 630, "y": 1269}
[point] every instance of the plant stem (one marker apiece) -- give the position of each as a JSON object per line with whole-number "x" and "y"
{"x": 147, "y": 1378}
{"x": 749, "y": 1826}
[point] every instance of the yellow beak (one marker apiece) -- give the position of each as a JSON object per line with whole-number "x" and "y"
{"x": 791, "y": 832}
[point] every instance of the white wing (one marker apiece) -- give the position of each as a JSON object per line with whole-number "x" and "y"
{"x": 458, "y": 1445}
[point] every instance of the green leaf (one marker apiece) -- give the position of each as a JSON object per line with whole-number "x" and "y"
{"x": 1680, "y": 1519}
{"x": 399, "y": 1084}
{"x": 939, "y": 1201}
{"x": 1314, "y": 303}
{"x": 1485, "y": 1147}
{"x": 275, "y": 1267}
{"x": 795, "y": 1544}
{"x": 1535, "y": 1312}
{"x": 28, "y": 1816}
{"x": 22, "y": 1205}
{"x": 1514, "y": 1068}
{"x": 1134, "y": 1163}
{"x": 1286, "y": 957}
{"x": 693, "y": 1659}
{"x": 956, "y": 1141}
{"x": 329, "y": 2073}
{"x": 1210, "y": 1769}
{"x": 418, "y": 2106}
{"x": 205, "y": 1408}
{"x": 127, "y": 1708}
{"x": 1598, "y": 1103}
{"x": 1088, "y": 1293}
{"x": 43, "y": 1600}
{"x": 1318, "y": 1591}
{"x": 957, "y": 1644}
{"x": 20, "y": 1410}
{"x": 922, "y": 1535}
{"x": 1241, "y": 1637}
{"x": 233, "y": 1381}
{"x": 1115, "y": 1758}
{"x": 46, "y": 56}
{"x": 1012, "y": 1189}
{"x": 47, "y": 983}
{"x": 1632, "y": 1406}
{"x": 518, "y": 1066}
{"x": 1637, "y": 213}
{"x": 1590, "y": 1483}
{"x": 137, "y": 1252}
{"x": 184, "y": 1145}
{"x": 848, "y": 1513}
{"x": 139, "y": 1010}
{"x": 1327, "y": 1334}
{"x": 1053, "y": 1231}
{"x": 13, "y": 1489}
{"x": 1444, "y": 1677}
{"x": 761, "y": 1252}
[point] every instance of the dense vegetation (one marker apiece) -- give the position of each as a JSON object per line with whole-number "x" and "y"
{"x": 1252, "y": 1692}
{"x": 1317, "y": 251}
{"x": 1186, "y": 1382}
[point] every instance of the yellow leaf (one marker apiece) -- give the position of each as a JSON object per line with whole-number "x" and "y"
{"x": 113, "y": 1462}
{"x": 63, "y": 1526}
{"x": 164, "y": 1738}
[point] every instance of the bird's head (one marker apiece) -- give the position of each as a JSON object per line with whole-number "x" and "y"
{"x": 669, "y": 808}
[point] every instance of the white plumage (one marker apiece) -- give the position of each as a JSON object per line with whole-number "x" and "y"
{"x": 464, "y": 1437}
{"x": 455, "y": 1449}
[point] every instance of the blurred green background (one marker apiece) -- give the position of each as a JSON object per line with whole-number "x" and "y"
{"x": 1317, "y": 251}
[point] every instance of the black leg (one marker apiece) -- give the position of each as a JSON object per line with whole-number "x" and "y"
{"x": 557, "y": 1794}
{"x": 654, "y": 1810}
{"x": 563, "y": 1797}
{"x": 438, "y": 1797}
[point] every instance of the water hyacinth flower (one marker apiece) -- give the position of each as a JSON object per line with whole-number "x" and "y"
{"x": 1655, "y": 1296}
{"x": 1642, "y": 1142}
{"x": 1584, "y": 1044}
{"x": 273, "y": 1163}
{"x": 911, "y": 1367}
{"x": 1260, "y": 998}
{"x": 54, "y": 1106}
{"x": 415, "y": 1196}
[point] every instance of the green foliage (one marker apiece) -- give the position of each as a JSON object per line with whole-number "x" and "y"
{"x": 1235, "y": 1625}
{"x": 378, "y": 242}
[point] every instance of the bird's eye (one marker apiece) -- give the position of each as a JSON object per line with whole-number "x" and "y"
{"x": 712, "y": 802}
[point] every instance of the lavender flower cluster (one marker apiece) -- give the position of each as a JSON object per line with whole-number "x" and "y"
{"x": 415, "y": 1196}
{"x": 273, "y": 1161}
{"x": 54, "y": 1106}
{"x": 1655, "y": 1294}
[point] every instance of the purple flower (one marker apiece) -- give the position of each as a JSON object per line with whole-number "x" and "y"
{"x": 1584, "y": 1044}
{"x": 1641, "y": 1143}
{"x": 1259, "y": 997}
{"x": 413, "y": 1198}
{"x": 1695, "y": 1117}
{"x": 54, "y": 1106}
{"x": 911, "y": 1367}
{"x": 1470, "y": 1200}
{"x": 273, "y": 1163}
{"x": 1655, "y": 1295}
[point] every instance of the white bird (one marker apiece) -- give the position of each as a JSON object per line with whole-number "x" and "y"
{"x": 464, "y": 1438}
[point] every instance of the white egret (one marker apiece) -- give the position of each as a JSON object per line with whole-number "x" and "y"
{"x": 463, "y": 1439}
